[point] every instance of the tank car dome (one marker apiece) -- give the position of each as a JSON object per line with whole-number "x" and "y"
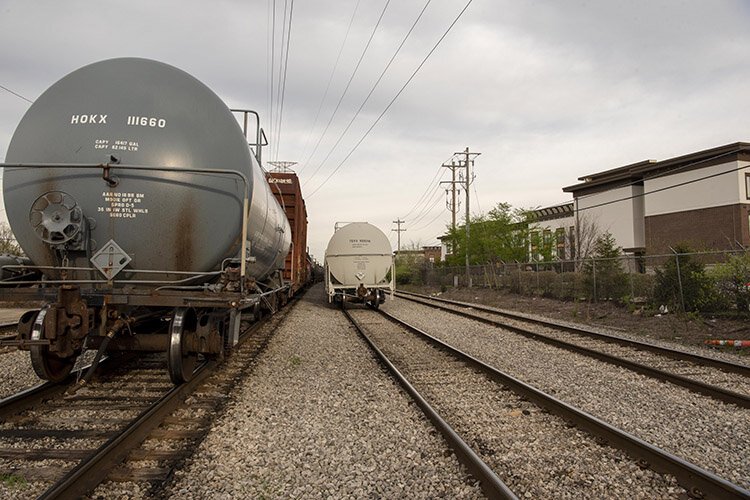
{"x": 139, "y": 112}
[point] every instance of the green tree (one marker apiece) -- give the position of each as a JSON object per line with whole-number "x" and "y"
{"x": 8, "y": 243}
{"x": 410, "y": 264}
{"x": 502, "y": 234}
{"x": 603, "y": 274}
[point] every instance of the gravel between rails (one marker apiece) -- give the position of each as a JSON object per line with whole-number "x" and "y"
{"x": 17, "y": 373}
{"x": 710, "y": 375}
{"x": 709, "y": 433}
{"x": 319, "y": 418}
{"x": 537, "y": 454}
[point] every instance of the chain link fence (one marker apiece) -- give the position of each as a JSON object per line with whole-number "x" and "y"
{"x": 631, "y": 279}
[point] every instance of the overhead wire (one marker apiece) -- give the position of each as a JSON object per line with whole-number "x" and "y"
{"x": 16, "y": 94}
{"x": 372, "y": 90}
{"x": 273, "y": 70}
{"x": 275, "y": 130}
{"x": 429, "y": 223}
{"x": 433, "y": 202}
{"x": 429, "y": 185}
{"x": 429, "y": 203}
{"x": 283, "y": 86}
{"x": 380, "y": 117}
{"x": 328, "y": 86}
{"x": 346, "y": 89}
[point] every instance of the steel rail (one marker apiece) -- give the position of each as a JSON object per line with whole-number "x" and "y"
{"x": 490, "y": 483}
{"x": 31, "y": 396}
{"x": 698, "y": 481}
{"x": 46, "y": 390}
{"x": 719, "y": 393}
{"x": 89, "y": 473}
{"x": 665, "y": 351}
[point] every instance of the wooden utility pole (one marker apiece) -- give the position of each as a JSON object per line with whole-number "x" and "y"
{"x": 398, "y": 223}
{"x": 454, "y": 203}
{"x": 468, "y": 161}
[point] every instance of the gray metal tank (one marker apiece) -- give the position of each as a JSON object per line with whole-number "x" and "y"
{"x": 138, "y": 112}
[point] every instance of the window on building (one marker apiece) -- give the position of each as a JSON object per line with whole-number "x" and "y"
{"x": 560, "y": 242}
{"x": 572, "y": 240}
{"x": 747, "y": 186}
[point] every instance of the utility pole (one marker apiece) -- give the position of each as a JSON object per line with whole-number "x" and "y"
{"x": 398, "y": 223}
{"x": 453, "y": 204}
{"x": 468, "y": 161}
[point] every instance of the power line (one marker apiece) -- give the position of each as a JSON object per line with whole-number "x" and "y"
{"x": 430, "y": 184}
{"x": 283, "y": 87}
{"x": 380, "y": 117}
{"x": 428, "y": 211}
{"x": 372, "y": 90}
{"x": 328, "y": 86}
{"x": 426, "y": 200}
{"x": 346, "y": 89}
{"x": 277, "y": 103}
{"x": 273, "y": 66}
{"x": 429, "y": 223}
{"x": 16, "y": 94}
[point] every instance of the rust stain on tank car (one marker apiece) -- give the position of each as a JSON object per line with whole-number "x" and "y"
{"x": 183, "y": 235}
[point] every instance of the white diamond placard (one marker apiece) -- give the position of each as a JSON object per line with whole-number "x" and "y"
{"x": 110, "y": 259}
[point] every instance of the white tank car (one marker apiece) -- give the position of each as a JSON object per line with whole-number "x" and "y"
{"x": 358, "y": 264}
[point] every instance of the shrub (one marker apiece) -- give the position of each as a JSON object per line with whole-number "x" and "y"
{"x": 603, "y": 274}
{"x": 698, "y": 291}
{"x": 733, "y": 281}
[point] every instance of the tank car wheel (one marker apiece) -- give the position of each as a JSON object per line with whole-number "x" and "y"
{"x": 181, "y": 362}
{"x": 47, "y": 365}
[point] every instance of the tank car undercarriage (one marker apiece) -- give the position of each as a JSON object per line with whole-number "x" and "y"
{"x": 185, "y": 324}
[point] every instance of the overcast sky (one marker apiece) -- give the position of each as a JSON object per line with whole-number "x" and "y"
{"x": 547, "y": 91}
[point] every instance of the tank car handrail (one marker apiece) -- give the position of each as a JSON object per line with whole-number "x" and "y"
{"x": 139, "y": 271}
{"x": 93, "y": 282}
{"x": 359, "y": 254}
{"x": 243, "y": 177}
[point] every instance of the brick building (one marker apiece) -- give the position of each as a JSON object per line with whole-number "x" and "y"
{"x": 701, "y": 199}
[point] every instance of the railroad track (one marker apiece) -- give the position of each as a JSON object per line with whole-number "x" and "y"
{"x": 128, "y": 426}
{"x": 722, "y": 380}
{"x": 7, "y": 332}
{"x": 487, "y": 414}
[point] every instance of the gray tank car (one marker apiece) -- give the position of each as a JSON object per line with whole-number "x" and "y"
{"x": 131, "y": 187}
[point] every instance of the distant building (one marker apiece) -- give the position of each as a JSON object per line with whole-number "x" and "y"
{"x": 701, "y": 199}
{"x": 428, "y": 254}
{"x": 553, "y": 227}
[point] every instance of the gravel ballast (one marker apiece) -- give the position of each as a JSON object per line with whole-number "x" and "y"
{"x": 318, "y": 417}
{"x": 706, "y": 432}
{"x": 538, "y": 455}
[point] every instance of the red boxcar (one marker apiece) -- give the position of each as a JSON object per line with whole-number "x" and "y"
{"x": 286, "y": 188}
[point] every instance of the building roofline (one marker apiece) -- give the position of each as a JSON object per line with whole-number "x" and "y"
{"x": 652, "y": 168}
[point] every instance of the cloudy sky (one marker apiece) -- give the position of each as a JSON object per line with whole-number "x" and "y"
{"x": 546, "y": 91}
